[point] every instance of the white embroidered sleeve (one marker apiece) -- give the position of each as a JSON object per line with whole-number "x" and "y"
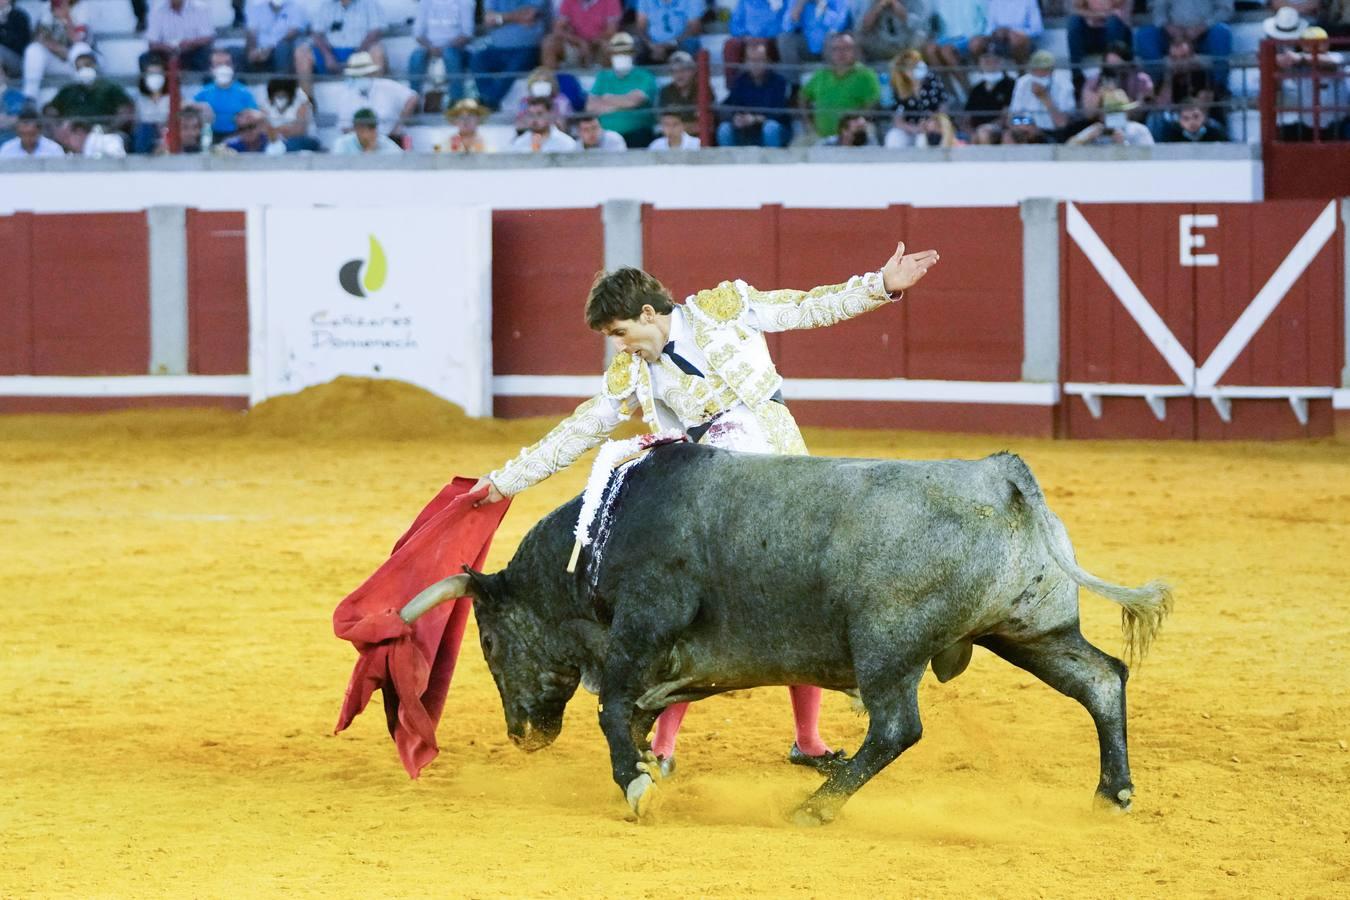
{"x": 788, "y": 310}
{"x": 585, "y": 428}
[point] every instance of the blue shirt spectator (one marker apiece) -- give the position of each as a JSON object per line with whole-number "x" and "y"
{"x": 512, "y": 35}
{"x": 819, "y": 21}
{"x": 225, "y": 96}
{"x": 667, "y": 19}
{"x": 12, "y": 102}
{"x": 755, "y": 93}
{"x": 758, "y": 19}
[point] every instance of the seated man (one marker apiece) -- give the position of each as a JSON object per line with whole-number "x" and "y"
{"x": 1193, "y": 125}
{"x": 955, "y": 24}
{"x": 887, "y": 28}
{"x": 224, "y": 97}
{"x": 664, "y": 26}
{"x": 854, "y": 131}
{"x": 681, "y": 94}
{"x": 92, "y": 142}
{"x": 846, "y": 86}
{"x": 581, "y": 32}
{"x": 594, "y": 136}
{"x": 758, "y": 91}
{"x": 1113, "y": 125}
{"x": 393, "y": 102}
{"x": 364, "y": 137}
{"x": 182, "y": 29}
{"x": 991, "y": 91}
{"x": 466, "y": 116}
{"x": 541, "y": 135}
{"x": 273, "y": 27}
{"x": 250, "y": 132}
{"x": 515, "y": 31}
{"x": 442, "y": 28}
{"x": 339, "y": 29}
{"x": 29, "y": 142}
{"x": 1094, "y": 26}
{"x": 1199, "y": 25}
{"x": 622, "y": 95}
{"x": 1043, "y": 94}
{"x": 94, "y": 99}
{"x": 673, "y": 134}
{"x": 1013, "y": 26}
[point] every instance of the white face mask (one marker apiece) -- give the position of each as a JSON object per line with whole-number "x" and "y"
{"x": 281, "y": 101}
{"x": 155, "y": 82}
{"x": 86, "y": 75}
{"x": 622, "y": 65}
{"x": 223, "y": 75}
{"x": 541, "y": 89}
{"x": 361, "y": 85}
{"x": 920, "y": 71}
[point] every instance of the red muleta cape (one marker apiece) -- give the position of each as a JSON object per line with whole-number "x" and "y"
{"x": 413, "y": 664}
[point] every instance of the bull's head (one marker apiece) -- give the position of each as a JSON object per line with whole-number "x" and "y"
{"x": 528, "y": 657}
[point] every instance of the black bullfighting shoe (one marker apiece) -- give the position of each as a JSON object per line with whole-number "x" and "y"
{"x": 826, "y": 763}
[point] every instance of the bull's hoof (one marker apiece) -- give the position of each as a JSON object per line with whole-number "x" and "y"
{"x": 642, "y": 794}
{"x": 811, "y": 817}
{"x": 1118, "y": 802}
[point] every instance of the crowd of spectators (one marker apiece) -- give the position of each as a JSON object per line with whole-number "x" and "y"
{"x": 895, "y": 73}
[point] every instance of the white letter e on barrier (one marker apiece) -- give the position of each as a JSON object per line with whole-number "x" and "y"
{"x": 1190, "y": 241}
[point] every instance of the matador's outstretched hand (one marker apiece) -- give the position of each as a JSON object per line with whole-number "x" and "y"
{"x": 902, "y": 272}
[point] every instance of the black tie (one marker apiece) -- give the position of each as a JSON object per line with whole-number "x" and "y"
{"x": 685, "y": 365}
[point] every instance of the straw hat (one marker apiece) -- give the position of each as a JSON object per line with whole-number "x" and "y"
{"x": 466, "y": 107}
{"x": 1116, "y": 100}
{"x": 1285, "y": 25}
{"x": 622, "y": 42}
{"x": 360, "y": 64}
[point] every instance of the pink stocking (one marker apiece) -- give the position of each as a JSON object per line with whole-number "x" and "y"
{"x": 667, "y": 727}
{"x": 806, "y": 712}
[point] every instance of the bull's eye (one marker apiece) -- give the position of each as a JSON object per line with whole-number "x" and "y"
{"x": 487, "y": 645}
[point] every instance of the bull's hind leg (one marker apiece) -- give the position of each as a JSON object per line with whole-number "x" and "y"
{"x": 1069, "y": 664}
{"x": 892, "y": 701}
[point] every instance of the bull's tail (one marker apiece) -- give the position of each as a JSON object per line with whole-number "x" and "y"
{"x": 1142, "y": 609}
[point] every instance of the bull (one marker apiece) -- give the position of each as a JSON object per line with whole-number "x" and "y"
{"x": 728, "y": 570}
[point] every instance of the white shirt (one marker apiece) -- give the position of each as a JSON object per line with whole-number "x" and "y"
{"x": 277, "y": 117}
{"x": 688, "y": 142}
{"x": 610, "y": 142}
{"x": 350, "y": 145}
{"x": 386, "y": 99}
{"x": 13, "y": 149}
{"x": 556, "y": 142}
{"x": 1026, "y": 103}
{"x": 1136, "y": 135}
{"x": 152, "y": 110}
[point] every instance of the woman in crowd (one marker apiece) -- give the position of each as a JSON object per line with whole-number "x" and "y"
{"x": 918, "y": 94}
{"x": 543, "y": 83}
{"x": 465, "y": 116}
{"x": 290, "y": 115}
{"x": 152, "y": 107}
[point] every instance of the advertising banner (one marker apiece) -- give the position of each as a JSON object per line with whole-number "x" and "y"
{"x": 382, "y": 293}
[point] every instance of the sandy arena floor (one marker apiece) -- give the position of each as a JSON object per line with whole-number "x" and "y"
{"x": 173, "y": 680}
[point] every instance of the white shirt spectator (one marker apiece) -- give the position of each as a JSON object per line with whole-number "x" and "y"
{"x": 98, "y": 144}
{"x": 610, "y": 142}
{"x": 151, "y": 110}
{"x": 171, "y": 27}
{"x": 46, "y": 147}
{"x": 555, "y": 141}
{"x": 688, "y": 142}
{"x": 442, "y": 21}
{"x": 386, "y": 98}
{"x": 278, "y": 116}
{"x": 1026, "y": 103}
{"x": 1136, "y": 134}
{"x": 350, "y": 145}
{"x": 271, "y": 24}
{"x": 353, "y": 22}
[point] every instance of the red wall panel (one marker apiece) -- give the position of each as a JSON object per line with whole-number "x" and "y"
{"x": 16, "y": 299}
{"x": 1101, "y": 340}
{"x": 217, "y": 293}
{"x": 91, "y": 289}
{"x": 543, "y": 263}
{"x": 964, "y": 321}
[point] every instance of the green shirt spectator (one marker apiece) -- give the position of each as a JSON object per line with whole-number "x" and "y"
{"x": 92, "y": 97}
{"x": 611, "y": 96}
{"x": 846, "y": 85}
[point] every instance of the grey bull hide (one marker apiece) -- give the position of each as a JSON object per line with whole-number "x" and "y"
{"x": 730, "y": 570}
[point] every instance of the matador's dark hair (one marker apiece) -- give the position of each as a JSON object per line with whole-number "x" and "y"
{"x": 621, "y": 294}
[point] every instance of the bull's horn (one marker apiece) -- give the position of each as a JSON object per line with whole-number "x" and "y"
{"x": 438, "y": 593}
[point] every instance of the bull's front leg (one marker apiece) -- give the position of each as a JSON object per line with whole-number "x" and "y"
{"x": 625, "y": 726}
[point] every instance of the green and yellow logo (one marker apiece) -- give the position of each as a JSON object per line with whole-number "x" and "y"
{"x": 360, "y": 283}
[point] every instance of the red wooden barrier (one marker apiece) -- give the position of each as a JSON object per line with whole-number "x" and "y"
{"x": 543, "y": 263}
{"x": 217, "y": 293}
{"x": 16, "y": 300}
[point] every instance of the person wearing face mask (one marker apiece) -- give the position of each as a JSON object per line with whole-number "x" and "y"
{"x": 1043, "y": 94}
{"x": 887, "y": 28}
{"x": 16, "y": 30}
{"x": 339, "y": 30}
{"x": 392, "y": 101}
{"x": 1194, "y": 126}
{"x": 918, "y": 94}
{"x": 756, "y": 93}
{"x": 991, "y": 91}
{"x": 224, "y": 97}
{"x": 62, "y": 35}
{"x": 182, "y": 29}
{"x": 95, "y": 99}
{"x": 152, "y": 107}
{"x": 1113, "y": 125}
{"x": 290, "y": 115}
{"x": 543, "y": 85}
{"x": 272, "y": 28}
{"x": 623, "y": 94}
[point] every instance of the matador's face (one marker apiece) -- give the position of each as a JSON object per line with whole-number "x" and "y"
{"x": 644, "y": 336}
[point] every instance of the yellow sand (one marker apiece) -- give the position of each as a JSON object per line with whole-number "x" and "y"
{"x": 171, "y": 683}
